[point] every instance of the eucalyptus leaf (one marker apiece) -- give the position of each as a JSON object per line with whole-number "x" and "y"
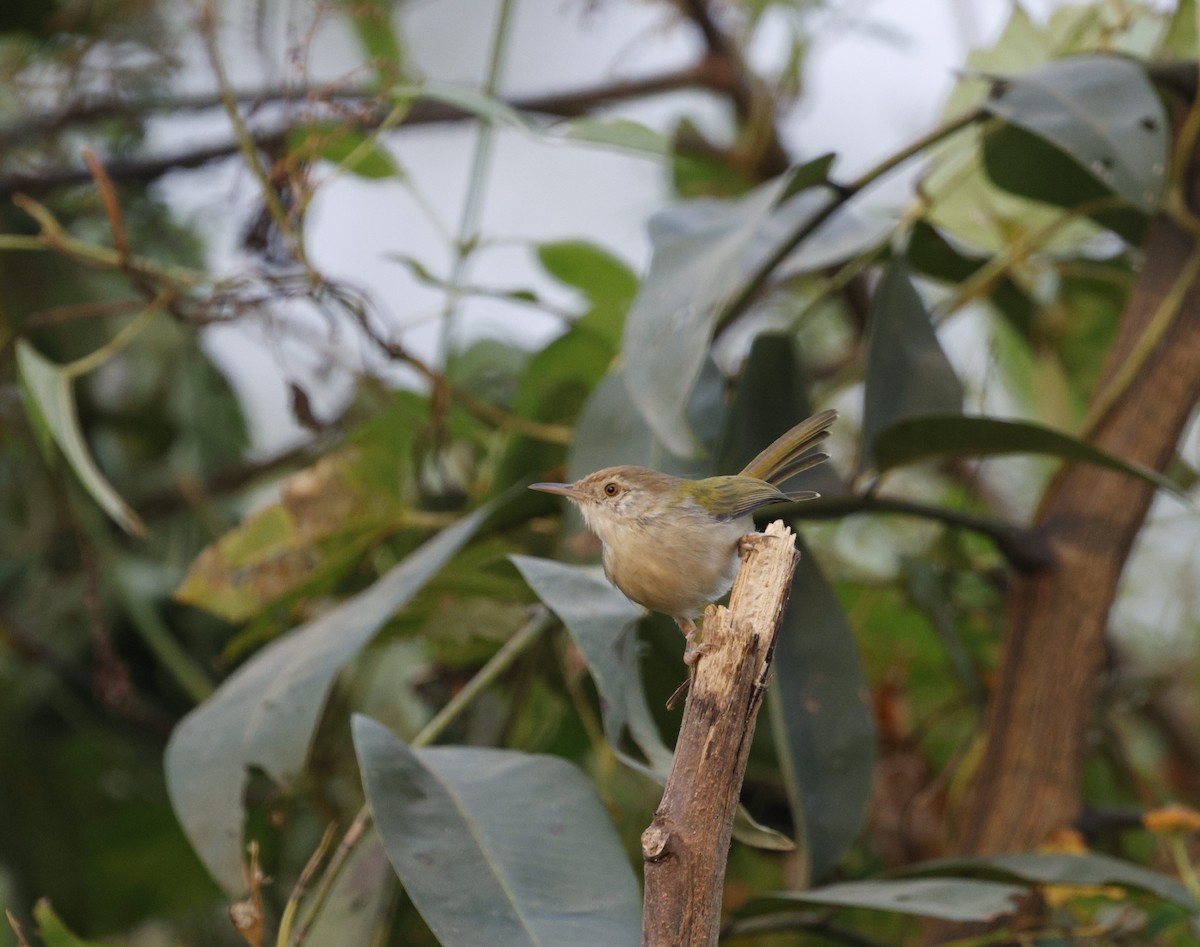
{"x": 947, "y": 899}
{"x": 671, "y": 321}
{"x": 909, "y": 441}
{"x": 266, "y": 712}
{"x": 1101, "y": 110}
{"x": 908, "y": 374}
{"x": 771, "y": 396}
{"x": 611, "y": 430}
{"x": 1063, "y": 868}
{"x": 498, "y": 847}
{"x": 53, "y": 932}
{"x": 50, "y": 401}
{"x": 821, "y": 719}
{"x": 603, "y": 624}
{"x": 619, "y": 133}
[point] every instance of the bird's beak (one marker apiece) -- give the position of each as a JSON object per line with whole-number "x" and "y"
{"x": 568, "y": 490}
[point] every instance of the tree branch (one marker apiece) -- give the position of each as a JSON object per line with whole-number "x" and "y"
{"x": 687, "y": 844}
{"x": 1026, "y": 550}
{"x": 569, "y": 104}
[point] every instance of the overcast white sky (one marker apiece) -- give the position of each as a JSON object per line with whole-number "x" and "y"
{"x": 875, "y": 79}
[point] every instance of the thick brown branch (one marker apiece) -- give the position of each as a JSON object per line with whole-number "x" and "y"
{"x": 686, "y": 846}
{"x": 1028, "y": 783}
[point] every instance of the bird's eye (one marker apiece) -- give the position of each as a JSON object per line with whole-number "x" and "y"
{"x": 611, "y": 489}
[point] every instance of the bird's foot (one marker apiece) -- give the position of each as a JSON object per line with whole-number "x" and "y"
{"x": 748, "y": 543}
{"x": 694, "y": 649}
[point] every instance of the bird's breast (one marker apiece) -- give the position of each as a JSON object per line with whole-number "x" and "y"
{"x": 671, "y": 567}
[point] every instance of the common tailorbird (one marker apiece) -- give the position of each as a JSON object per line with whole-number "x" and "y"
{"x": 674, "y": 545}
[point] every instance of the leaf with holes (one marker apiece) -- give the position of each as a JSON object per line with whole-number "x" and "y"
{"x": 1100, "y": 110}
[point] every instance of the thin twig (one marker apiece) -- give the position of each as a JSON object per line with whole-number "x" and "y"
{"x": 246, "y": 144}
{"x": 1025, "y": 549}
{"x": 757, "y": 280}
{"x": 467, "y": 239}
{"x": 569, "y": 104}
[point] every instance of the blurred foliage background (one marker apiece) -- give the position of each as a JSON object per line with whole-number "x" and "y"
{"x": 187, "y": 624}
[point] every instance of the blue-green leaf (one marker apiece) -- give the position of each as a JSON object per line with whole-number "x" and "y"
{"x": 498, "y": 847}
{"x": 948, "y": 899}
{"x": 266, "y": 712}
{"x": 906, "y": 442}
{"x": 50, "y": 400}
{"x": 671, "y": 321}
{"x": 821, "y": 719}
{"x": 1065, "y": 869}
{"x": 603, "y": 624}
{"x": 1103, "y": 112}
{"x": 908, "y": 374}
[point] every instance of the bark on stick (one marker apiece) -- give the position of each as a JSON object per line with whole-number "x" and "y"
{"x": 686, "y": 846}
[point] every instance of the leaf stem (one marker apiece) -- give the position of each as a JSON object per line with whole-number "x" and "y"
{"x": 93, "y": 360}
{"x": 467, "y": 238}
{"x": 245, "y": 141}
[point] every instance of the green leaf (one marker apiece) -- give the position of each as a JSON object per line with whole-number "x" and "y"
{"x": 909, "y": 441}
{"x": 1182, "y": 37}
{"x": 1103, "y": 112}
{"x": 498, "y": 847}
{"x": 486, "y": 108}
{"x": 814, "y": 173}
{"x": 771, "y": 396}
{"x": 948, "y": 899}
{"x": 54, "y": 932}
{"x": 930, "y": 253}
{"x": 1065, "y": 869}
{"x": 266, "y": 712}
{"x": 606, "y": 281}
{"x": 611, "y": 430}
{"x": 603, "y": 624}
{"x": 376, "y": 33}
{"x": 50, "y": 400}
{"x": 351, "y": 149}
{"x": 908, "y": 374}
{"x": 620, "y": 133}
{"x": 821, "y": 719}
{"x": 1024, "y": 164}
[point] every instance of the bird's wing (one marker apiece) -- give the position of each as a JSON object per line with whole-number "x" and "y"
{"x": 737, "y": 496}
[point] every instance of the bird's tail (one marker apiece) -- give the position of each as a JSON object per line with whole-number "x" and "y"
{"x": 790, "y": 453}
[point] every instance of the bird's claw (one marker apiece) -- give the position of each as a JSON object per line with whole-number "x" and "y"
{"x": 748, "y": 543}
{"x": 694, "y": 648}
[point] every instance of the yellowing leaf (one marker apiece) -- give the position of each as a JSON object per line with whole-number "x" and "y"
{"x": 324, "y": 516}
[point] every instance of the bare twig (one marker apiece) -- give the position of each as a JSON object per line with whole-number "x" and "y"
{"x": 569, "y": 104}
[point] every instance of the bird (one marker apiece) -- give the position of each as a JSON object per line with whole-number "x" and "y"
{"x": 673, "y": 545}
